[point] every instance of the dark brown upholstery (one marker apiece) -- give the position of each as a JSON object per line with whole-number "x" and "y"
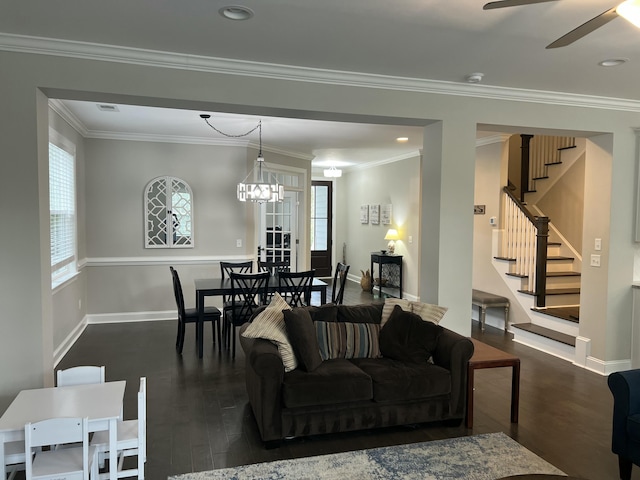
{"x": 351, "y": 394}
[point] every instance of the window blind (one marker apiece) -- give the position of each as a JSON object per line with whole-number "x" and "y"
{"x": 62, "y": 211}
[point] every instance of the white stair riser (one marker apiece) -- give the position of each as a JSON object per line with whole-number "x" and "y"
{"x": 544, "y": 344}
{"x": 560, "y": 266}
{"x": 555, "y": 282}
{"x": 555, "y": 323}
{"x": 564, "y": 299}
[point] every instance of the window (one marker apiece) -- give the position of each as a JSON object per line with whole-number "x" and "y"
{"x": 62, "y": 208}
{"x": 168, "y": 213}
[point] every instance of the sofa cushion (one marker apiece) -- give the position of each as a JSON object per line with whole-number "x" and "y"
{"x": 428, "y": 312}
{"x": 303, "y": 338}
{"x": 269, "y": 324}
{"x": 360, "y": 313}
{"x": 348, "y": 340}
{"x": 324, "y": 313}
{"x": 398, "y": 381}
{"x": 334, "y": 381}
{"x": 406, "y": 337}
{"x": 389, "y": 304}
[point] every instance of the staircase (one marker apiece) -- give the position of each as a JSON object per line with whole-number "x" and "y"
{"x": 542, "y": 274}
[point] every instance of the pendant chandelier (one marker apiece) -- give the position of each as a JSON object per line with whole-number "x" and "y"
{"x": 260, "y": 191}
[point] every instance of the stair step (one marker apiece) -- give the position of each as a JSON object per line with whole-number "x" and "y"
{"x": 555, "y": 291}
{"x": 559, "y": 257}
{"x": 547, "y": 333}
{"x": 541, "y": 178}
{"x": 569, "y": 313}
{"x": 553, "y": 244}
{"x": 508, "y": 259}
{"x": 568, "y": 148}
{"x": 552, "y": 163}
{"x": 518, "y": 275}
{"x": 563, "y": 274}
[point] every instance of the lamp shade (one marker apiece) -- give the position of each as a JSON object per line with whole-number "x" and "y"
{"x": 392, "y": 234}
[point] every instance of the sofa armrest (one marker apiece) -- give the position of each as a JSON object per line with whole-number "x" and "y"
{"x": 453, "y": 353}
{"x": 625, "y": 387}
{"x": 264, "y": 373}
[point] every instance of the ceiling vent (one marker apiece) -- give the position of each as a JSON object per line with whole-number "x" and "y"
{"x": 103, "y": 107}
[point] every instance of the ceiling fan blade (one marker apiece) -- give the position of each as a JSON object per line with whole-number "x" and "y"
{"x": 585, "y": 29}
{"x": 512, "y": 3}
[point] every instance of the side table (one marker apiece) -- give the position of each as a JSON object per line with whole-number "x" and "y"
{"x": 390, "y": 259}
{"x": 486, "y": 356}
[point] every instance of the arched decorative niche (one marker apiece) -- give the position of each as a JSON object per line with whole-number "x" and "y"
{"x": 168, "y": 213}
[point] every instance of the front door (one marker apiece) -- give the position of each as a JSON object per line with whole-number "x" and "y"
{"x": 321, "y": 239}
{"x": 278, "y": 227}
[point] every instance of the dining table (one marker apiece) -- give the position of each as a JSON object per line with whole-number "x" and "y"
{"x": 210, "y": 287}
{"x": 101, "y": 403}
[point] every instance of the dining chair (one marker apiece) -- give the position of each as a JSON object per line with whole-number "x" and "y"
{"x": 274, "y": 267}
{"x": 339, "y": 282}
{"x": 226, "y": 269}
{"x": 295, "y": 287}
{"x": 249, "y": 291}
{"x": 80, "y": 375}
{"x": 132, "y": 438}
{"x": 68, "y": 463}
{"x": 190, "y": 315}
{"x": 14, "y": 457}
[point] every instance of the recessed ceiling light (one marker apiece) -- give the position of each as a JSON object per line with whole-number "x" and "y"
{"x": 236, "y": 12}
{"x": 402, "y": 139}
{"x": 474, "y": 77}
{"x": 613, "y": 62}
{"x": 104, "y": 107}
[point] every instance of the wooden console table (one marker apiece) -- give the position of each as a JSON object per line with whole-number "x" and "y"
{"x": 394, "y": 276}
{"x": 486, "y": 356}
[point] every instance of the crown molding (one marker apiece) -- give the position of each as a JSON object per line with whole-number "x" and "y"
{"x": 111, "y": 53}
{"x": 499, "y": 138}
{"x": 377, "y": 163}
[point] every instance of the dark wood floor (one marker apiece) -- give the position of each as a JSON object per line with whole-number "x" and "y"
{"x": 199, "y": 417}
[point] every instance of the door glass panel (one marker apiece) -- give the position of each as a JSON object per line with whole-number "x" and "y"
{"x": 319, "y": 217}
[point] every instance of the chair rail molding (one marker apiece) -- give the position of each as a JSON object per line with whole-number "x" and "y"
{"x": 164, "y": 260}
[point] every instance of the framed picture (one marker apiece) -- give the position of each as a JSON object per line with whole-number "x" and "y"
{"x": 364, "y": 213}
{"x": 385, "y": 214}
{"x": 374, "y": 214}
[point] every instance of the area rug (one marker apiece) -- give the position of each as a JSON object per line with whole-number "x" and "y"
{"x": 480, "y": 457}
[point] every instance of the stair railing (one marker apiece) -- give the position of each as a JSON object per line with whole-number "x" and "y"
{"x": 525, "y": 241}
{"x": 538, "y": 152}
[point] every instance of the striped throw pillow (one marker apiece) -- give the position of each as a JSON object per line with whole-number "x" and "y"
{"x": 348, "y": 340}
{"x": 428, "y": 312}
{"x": 269, "y": 324}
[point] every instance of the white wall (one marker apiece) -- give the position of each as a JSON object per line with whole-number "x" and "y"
{"x": 396, "y": 183}
{"x": 28, "y": 78}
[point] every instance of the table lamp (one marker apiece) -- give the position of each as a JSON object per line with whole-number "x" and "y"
{"x": 392, "y": 236}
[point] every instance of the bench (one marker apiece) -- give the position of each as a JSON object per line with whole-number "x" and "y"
{"x": 484, "y": 300}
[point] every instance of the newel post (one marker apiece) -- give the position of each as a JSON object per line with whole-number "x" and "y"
{"x": 542, "y": 237}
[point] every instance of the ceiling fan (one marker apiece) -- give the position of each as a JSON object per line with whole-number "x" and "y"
{"x": 629, "y": 9}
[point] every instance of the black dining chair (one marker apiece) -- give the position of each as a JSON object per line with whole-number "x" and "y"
{"x": 190, "y": 315}
{"x": 295, "y": 287}
{"x": 248, "y": 292}
{"x": 339, "y": 282}
{"x": 226, "y": 269}
{"x": 274, "y": 267}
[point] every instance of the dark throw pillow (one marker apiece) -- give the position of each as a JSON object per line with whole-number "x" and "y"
{"x": 408, "y": 338}
{"x": 303, "y": 338}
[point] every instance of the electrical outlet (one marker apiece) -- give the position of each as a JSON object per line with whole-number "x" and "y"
{"x": 595, "y": 260}
{"x": 597, "y": 244}
{"x": 410, "y": 239}
{"x": 239, "y": 243}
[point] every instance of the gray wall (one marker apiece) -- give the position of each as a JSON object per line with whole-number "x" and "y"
{"x": 397, "y": 183}
{"x": 446, "y": 223}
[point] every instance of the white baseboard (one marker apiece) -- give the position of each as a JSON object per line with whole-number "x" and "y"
{"x": 68, "y": 342}
{"x": 605, "y": 368}
{"x": 125, "y": 317}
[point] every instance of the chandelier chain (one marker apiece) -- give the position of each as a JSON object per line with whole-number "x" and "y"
{"x": 258, "y": 126}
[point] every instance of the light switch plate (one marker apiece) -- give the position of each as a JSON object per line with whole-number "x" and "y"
{"x": 597, "y": 244}
{"x": 239, "y": 243}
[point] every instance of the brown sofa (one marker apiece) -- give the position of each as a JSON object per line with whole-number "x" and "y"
{"x": 358, "y": 393}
